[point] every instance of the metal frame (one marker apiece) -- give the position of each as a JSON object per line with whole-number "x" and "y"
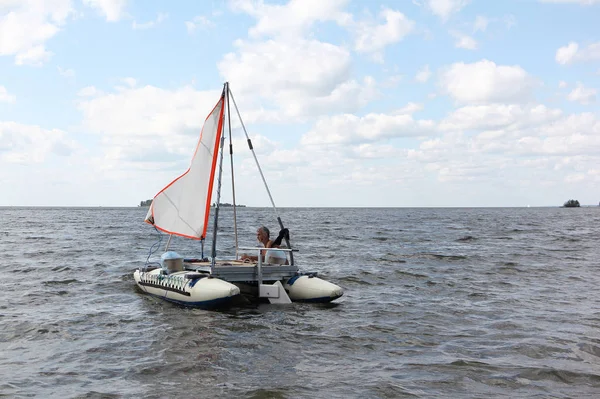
{"x": 238, "y": 271}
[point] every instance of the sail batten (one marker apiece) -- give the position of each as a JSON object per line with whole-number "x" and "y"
{"x": 183, "y": 207}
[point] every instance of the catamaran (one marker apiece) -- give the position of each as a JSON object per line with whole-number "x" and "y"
{"x": 182, "y": 209}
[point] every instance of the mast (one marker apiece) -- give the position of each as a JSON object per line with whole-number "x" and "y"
{"x": 214, "y": 243}
{"x": 287, "y": 241}
{"x": 232, "y": 177}
{"x": 168, "y": 242}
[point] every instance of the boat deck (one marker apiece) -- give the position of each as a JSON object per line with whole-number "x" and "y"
{"x": 235, "y": 270}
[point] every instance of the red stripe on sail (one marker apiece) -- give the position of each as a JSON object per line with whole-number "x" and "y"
{"x": 176, "y": 234}
{"x": 214, "y": 165}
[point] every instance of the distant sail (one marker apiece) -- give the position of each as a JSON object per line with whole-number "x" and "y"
{"x": 183, "y": 207}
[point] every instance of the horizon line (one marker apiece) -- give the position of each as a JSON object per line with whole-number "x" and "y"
{"x": 307, "y": 206}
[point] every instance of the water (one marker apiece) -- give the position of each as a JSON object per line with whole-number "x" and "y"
{"x": 461, "y": 303}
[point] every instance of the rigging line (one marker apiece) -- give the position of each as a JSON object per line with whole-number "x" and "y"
{"x": 232, "y": 178}
{"x": 214, "y": 243}
{"x": 153, "y": 248}
{"x": 287, "y": 241}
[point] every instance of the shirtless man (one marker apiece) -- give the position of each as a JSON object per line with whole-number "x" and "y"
{"x": 272, "y": 256}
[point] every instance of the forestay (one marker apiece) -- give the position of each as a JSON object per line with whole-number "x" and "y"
{"x": 182, "y": 208}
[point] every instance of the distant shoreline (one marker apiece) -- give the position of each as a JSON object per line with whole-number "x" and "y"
{"x": 310, "y": 207}
{"x": 147, "y": 203}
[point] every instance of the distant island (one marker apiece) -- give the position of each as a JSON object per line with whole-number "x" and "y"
{"x": 571, "y": 204}
{"x": 225, "y": 204}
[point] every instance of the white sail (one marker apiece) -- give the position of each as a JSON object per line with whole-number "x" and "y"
{"x": 183, "y": 207}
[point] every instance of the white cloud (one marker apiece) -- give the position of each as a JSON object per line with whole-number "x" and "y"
{"x": 288, "y": 78}
{"x": 131, "y": 82}
{"x": 288, "y": 22}
{"x": 392, "y": 81}
{"x": 67, "y": 73}
{"x": 145, "y": 111}
{"x": 271, "y": 66}
{"x": 582, "y": 95}
{"x": 88, "y": 91}
{"x": 409, "y": 109}
{"x": 373, "y": 38}
{"x": 562, "y": 146}
{"x": 32, "y": 144}
{"x": 375, "y": 151}
{"x": 145, "y": 128}
{"x": 35, "y": 56}
{"x": 494, "y": 117}
{"x": 583, "y": 124}
{"x": 445, "y": 8}
{"x": 26, "y": 26}
{"x": 5, "y": 96}
{"x": 348, "y": 96}
{"x": 572, "y": 53}
{"x": 464, "y": 41}
{"x": 485, "y": 82}
{"x": 423, "y": 74}
{"x": 495, "y": 142}
{"x": 562, "y": 84}
{"x": 113, "y": 10}
{"x": 292, "y": 75}
{"x": 565, "y": 55}
{"x": 150, "y": 24}
{"x": 293, "y": 18}
{"x": 199, "y": 22}
{"x": 481, "y": 23}
{"x": 575, "y": 178}
{"x": 348, "y": 128}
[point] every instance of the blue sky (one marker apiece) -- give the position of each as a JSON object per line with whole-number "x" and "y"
{"x": 348, "y": 103}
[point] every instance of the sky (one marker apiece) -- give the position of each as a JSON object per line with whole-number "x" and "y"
{"x": 405, "y": 103}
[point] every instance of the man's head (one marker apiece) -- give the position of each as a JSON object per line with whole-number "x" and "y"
{"x": 262, "y": 234}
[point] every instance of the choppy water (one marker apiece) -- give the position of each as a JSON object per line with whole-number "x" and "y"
{"x": 460, "y": 303}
